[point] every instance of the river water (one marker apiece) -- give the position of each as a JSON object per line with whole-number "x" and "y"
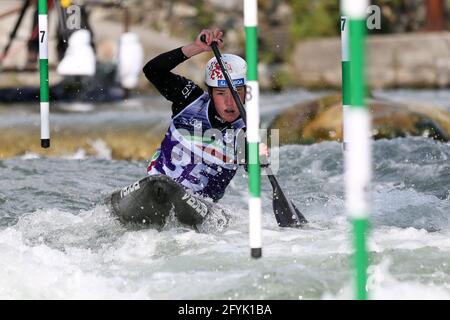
{"x": 58, "y": 241}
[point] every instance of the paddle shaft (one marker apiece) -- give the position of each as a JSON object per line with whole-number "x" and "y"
{"x": 286, "y": 214}
{"x": 237, "y": 99}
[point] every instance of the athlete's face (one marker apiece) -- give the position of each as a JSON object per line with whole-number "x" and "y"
{"x": 224, "y": 103}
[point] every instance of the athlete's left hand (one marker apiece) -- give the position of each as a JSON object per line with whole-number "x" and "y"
{"x": 263, "y": 154}
{"x": 263, "y": 150}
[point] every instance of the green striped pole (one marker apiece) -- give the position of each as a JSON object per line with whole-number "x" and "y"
{"x": 43, "y": 69}
{"x": 358, "y": 154}
{"x": 252, "y": 107}
{"x": 345, "y": 77}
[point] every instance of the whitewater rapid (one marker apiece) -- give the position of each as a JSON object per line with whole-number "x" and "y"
{"x": 58, "y": 240}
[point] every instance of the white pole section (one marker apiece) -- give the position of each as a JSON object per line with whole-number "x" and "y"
{"x": 252, "y": 107}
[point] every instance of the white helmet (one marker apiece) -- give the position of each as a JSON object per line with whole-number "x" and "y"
{"x": 237, "y": 69}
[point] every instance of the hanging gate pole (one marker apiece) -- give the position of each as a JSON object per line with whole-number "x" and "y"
{"x": 346, "y": 65}
{"x": 43, "y": 70}
{"x": 254, "y": 169}
{"x": 358, "y": 153}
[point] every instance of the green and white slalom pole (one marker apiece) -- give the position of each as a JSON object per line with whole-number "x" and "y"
{"x": 358, "y": 154}
{"x": 252, "y": 107}
{"x": 43, "y": 69}
{"x": 345, "y": 47}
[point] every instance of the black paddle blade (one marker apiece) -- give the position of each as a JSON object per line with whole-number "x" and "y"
{"x": 300, "y": 216}
{"x": 286, "y": 213}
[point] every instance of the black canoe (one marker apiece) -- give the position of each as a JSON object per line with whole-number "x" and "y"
{"x": 151, "y": 200}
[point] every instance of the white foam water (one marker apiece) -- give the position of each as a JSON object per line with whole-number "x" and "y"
{"x": 58, "y": 241}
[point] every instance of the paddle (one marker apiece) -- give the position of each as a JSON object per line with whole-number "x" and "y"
{"x": 286, "y": 214}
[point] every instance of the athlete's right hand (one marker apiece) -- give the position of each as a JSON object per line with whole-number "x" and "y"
{"x": 210, "y": 35}
{"x": 198, "y": 46}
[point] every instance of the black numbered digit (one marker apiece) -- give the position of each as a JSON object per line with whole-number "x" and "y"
{"x": 248, "y": 94}
{"x": 43, "y": 35}
{"x": 343, "y": 21}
